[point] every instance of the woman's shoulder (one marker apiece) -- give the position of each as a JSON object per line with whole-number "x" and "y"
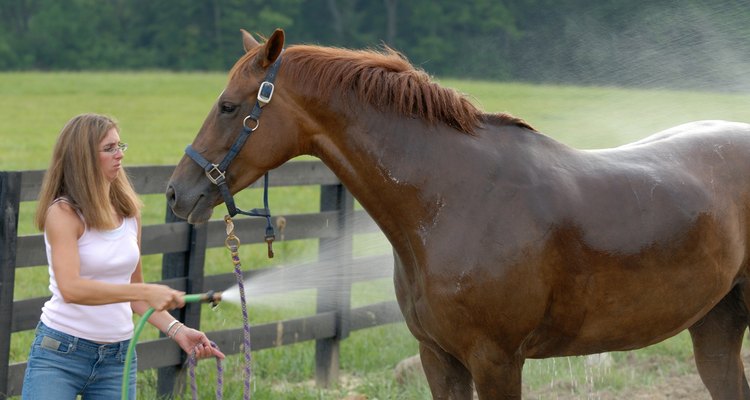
{"x": 62, "y": 214}
{"x": 61, "y": 207}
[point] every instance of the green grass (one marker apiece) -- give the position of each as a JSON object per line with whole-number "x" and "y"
{"x": 159, "y": 115}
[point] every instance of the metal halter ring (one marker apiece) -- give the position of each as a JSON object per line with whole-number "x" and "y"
{"x": 244, "y": 123}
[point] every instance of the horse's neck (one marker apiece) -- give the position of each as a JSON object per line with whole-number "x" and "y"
{"x": 383, "y": 165}
{"x": 408, "y": 175}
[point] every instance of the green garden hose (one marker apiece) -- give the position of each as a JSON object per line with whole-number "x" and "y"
{"x": 208, "y": 297}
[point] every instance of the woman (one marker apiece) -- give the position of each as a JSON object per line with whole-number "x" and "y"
{"x": 90, "y": 216}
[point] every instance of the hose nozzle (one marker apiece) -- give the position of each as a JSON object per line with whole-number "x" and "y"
{"x": 211, "y": 297}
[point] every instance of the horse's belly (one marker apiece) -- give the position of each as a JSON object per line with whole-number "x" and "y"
{"x": 604, "y": 300}
{"x": 625, "y": 314}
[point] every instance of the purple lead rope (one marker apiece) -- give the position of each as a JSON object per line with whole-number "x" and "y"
{"x": 246, "y": 324}
{"x": 193, "y": 362}
{"x": 233, "y": 244}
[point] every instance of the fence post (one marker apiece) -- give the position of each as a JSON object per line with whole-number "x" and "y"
{"x": 335, "y": 296}
{"x": 190, "y": 264}
{"x": 10, "y": 197}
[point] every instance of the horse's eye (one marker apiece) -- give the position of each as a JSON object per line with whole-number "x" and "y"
{"x": 227, "y": 108}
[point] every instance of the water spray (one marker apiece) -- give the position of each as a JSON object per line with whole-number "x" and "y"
{"x": 209, "y": 297}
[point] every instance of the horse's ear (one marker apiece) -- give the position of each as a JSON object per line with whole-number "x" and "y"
{"x": 248, "y": 42}
{"x": 272, "y": 49}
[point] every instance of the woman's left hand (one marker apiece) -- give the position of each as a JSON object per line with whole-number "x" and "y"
{"x": 194, "y": 341}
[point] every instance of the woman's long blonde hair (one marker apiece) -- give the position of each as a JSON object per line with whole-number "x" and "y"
{"x": 74, "y": 173}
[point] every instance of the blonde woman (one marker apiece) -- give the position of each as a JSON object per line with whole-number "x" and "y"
{"x": 90, "y": 216}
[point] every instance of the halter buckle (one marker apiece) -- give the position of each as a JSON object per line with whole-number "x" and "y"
{"x": 220, "y": 175}
{"x": 265, "y": 92}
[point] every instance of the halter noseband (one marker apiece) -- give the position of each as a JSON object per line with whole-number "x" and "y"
{"x": 216, "y": 173}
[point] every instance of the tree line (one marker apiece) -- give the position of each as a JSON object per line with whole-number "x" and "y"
{"x": 669, "y": 43}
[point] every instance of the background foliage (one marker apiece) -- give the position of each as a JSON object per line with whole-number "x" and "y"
{"x": 655, "y": 43}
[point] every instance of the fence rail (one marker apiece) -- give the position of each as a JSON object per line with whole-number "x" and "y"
{"x": 184, "y": 247}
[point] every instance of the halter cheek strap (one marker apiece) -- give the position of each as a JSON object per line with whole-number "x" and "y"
{"x": 216, "y": 173}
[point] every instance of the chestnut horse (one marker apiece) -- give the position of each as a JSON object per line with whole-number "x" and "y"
{"x": 508, "y": 245}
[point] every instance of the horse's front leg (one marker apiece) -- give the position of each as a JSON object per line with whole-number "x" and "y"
{"x": 499, "y": 380}
{"x": 448, "y": 378}
{"x": 496, "y": 375}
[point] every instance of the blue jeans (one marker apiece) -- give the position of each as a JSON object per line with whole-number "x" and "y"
{"x": 62, "y": 366}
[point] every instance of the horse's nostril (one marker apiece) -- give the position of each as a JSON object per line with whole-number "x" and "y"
{"x": 170, "y": 195}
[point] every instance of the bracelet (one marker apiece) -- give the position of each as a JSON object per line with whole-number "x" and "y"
{"x": 176, "y": 330}
{"x": 170, "y": 326}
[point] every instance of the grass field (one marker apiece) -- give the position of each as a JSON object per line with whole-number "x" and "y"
{"x": 160, "y": 113}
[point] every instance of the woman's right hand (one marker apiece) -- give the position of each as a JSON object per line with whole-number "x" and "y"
{"x": 162, "y": 297}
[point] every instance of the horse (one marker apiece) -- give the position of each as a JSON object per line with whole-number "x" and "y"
{"x": 508, "y": 245}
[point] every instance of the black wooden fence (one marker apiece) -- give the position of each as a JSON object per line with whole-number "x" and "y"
{"x": 184, "y": 247}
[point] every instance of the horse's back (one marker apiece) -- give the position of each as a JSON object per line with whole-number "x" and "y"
{"x": 706, "y": 129}
{"x": 672, "y": 177}
{"x": 708, "y": 156}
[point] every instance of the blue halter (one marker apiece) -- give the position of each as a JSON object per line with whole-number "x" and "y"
{"x": 216, "y": 173}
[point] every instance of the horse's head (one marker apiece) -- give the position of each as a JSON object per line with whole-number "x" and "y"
{"x": 193, "y": 189}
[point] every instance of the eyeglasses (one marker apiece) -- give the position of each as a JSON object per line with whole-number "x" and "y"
{"x": 113, "y": 149}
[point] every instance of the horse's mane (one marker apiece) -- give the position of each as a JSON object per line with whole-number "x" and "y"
{"x": 388, "y": 82}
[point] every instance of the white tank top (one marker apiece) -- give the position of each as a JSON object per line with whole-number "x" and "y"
{"x": 107, "y": 256}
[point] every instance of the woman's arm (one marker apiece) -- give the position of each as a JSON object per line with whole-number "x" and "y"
{"x": 189, "y": 339}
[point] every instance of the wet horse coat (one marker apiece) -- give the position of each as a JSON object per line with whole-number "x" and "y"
{"x": 508, "y": 245}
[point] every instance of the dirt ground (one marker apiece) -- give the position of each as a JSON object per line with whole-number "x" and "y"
{"x": 683, "y": 387}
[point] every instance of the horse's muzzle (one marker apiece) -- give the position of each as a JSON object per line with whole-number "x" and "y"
{"x": 188, "y": 206}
